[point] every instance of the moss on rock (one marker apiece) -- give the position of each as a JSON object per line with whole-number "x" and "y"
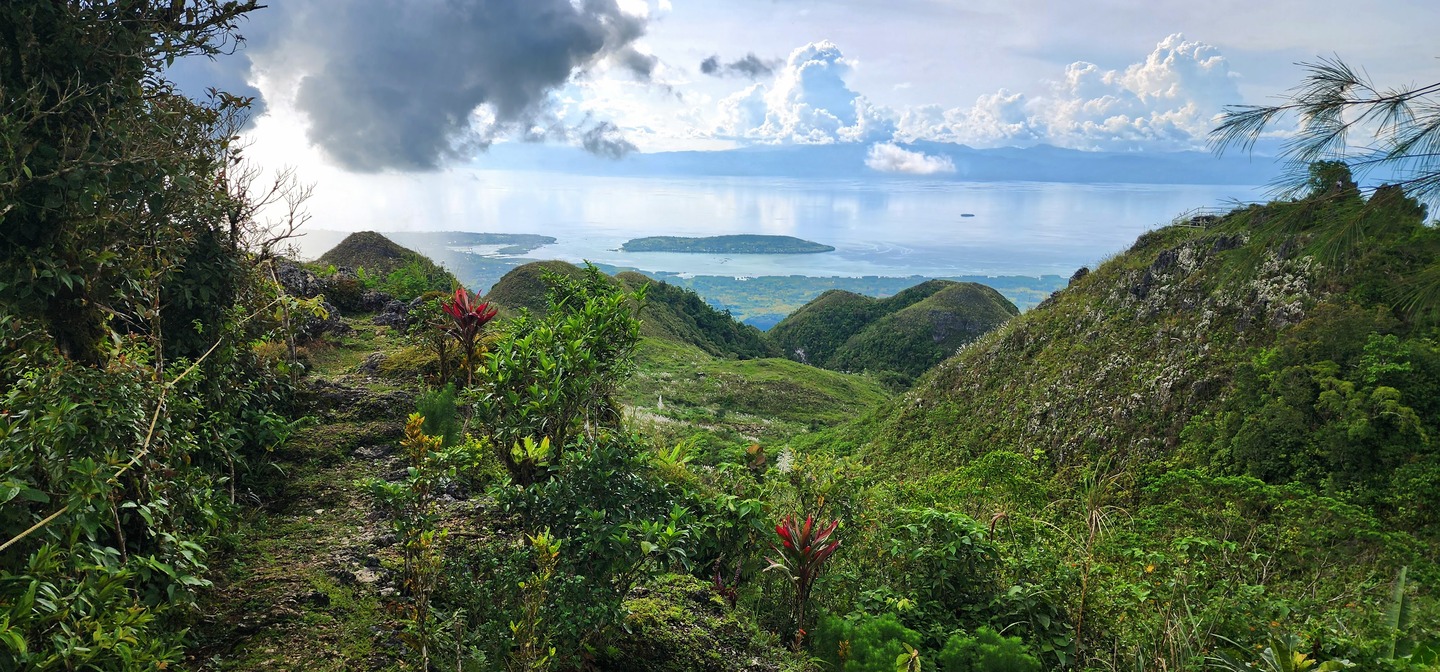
{"x": 679, "y": 625}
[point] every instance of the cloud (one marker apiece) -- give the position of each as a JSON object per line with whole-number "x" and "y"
{"x": 1000, "y": 118}
{"x": 605, "y": 139}
{"x": 395, "y": 85}
{"x": 890, "y": 158}
{"x": 1168, "y": 102}
{"x": 750, "y": 66}
{"x": 400, "y": 81}
{"x": 807, "y": 102}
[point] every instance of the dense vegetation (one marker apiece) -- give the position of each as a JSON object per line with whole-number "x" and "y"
{"x": 904, "y": 334}
{"x": 735, "y": 244}
{"x": 1213, "y": 414}
{"x": 1213, "y": 452}
{"x": 143, "y": 353}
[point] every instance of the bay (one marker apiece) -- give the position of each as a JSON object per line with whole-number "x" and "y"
{"x": 884, "y": 226}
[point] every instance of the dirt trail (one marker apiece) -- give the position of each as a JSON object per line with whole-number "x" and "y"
{"x": 302, "y": 586}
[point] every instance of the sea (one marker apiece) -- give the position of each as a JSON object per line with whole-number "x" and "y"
{"x": 885, "y": 226}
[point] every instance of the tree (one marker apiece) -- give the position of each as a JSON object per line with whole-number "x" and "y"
{"x": 1334, "y": 103}
{"x": 119, "y": 259}
{"x": 107, "y": 174}
{"x": 1346, "y": 124}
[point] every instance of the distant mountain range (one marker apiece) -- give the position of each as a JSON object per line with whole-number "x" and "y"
{"x": 1042, "y": 163}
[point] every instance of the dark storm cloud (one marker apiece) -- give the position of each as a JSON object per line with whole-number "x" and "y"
{"x": 604, "y": 139}
{"x": 401, "y": 79}
{"x": 393, "y": 84}
{"x": 751, "y": 66}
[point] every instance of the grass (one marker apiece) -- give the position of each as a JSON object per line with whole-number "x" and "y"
{"x": 768, "y": 400}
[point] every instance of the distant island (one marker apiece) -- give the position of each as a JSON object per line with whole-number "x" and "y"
{"x": 740, "y": 244}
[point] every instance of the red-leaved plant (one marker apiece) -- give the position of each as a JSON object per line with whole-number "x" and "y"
{"x": 801, "y": 554}
{"x": 469, "y": 319}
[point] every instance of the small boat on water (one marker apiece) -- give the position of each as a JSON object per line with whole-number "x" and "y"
{"x": 967, "y": 214}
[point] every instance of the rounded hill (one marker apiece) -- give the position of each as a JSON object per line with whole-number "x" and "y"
{"x": 1251, "y": 347}
{"x": 670, "y": 313}
{"x": 373, "y": 252}
{"x": 904, "y": 334}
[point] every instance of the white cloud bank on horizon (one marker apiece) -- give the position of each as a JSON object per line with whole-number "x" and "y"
{"x": 1169, "y": 101}
{"x": 890, "y": 158}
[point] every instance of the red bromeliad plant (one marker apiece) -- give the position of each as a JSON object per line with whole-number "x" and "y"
{"x": 802, "y": 551}
{"x": 469, "y": 319}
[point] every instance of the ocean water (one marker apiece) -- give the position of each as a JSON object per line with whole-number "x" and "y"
{"x": 888, "y": 227}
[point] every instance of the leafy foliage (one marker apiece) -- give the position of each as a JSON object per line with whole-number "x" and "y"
{"x": 468, "y": 320}
{"x": 800, "y": 556}
{"x": 986, "y": 651}
{"x": 866, "y": 644}
{"x": 555, "y": 376}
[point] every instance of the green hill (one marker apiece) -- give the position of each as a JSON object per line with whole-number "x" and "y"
{"x": 919, "y": 336}
{"x": 380, "y": 263}
{"x": 906, "y": 333}
{"x": 524, "y": 286}
{"x": 374, "y": 253}
{"x": 1231, "y": 349}
{"x": 671, "y": 313}
{"x": 680, "y": 315}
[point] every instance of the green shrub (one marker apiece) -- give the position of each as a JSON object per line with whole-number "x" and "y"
{"x": 986, "y": 651}
{"x": 437, "y": 406}
{"x": 555, "y": 377}
{"x": 415, "y": 278}
{"x": 864, "y": 644}
{"x": 619, "y": 525}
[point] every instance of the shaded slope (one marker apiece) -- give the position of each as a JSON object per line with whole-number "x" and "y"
{"x": 680, "y": 315}
{"x": 919, "y": 336}
{"x": 815, "y": 332}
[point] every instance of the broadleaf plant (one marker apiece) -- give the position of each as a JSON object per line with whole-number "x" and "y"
{"x": 801, "y": 555}
{"x": 469, "y": 319}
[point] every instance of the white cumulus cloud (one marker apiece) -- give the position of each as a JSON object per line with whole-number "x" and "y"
{"x": 808, "y": 102}
{"x": 891, "y": 158}
{"x": 1168, "y": 102}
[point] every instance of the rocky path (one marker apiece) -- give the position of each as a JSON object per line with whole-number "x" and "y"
{"x": 302, "y": 584}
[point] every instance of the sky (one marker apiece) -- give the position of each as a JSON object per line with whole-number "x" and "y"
{"x": 364, "y": 86}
